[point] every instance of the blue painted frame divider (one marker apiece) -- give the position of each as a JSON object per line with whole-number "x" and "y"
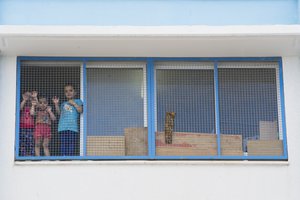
{"x": 151, "y": 110}
{"x": 217, "y": 111}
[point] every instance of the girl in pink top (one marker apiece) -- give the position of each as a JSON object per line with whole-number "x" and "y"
{"x": 26, "y": 141}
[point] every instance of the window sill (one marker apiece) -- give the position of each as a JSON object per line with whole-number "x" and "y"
{"x": 156, "y": 162}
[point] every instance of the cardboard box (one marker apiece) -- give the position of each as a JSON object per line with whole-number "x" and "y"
{"x": 268, "y": 130}
{"x": 106, "y": 146}
{"x": 136, "y": 141}
{"x": 231, "y": 145}
{"x": 265, "y": 147}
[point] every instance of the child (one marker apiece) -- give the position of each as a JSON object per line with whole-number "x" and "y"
{"x": 27, "y": 125}
{"x": 68, "y": 129}
{"x": 42, "y": 132}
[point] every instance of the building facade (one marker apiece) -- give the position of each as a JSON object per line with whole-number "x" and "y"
{"x": 192, "y": 99}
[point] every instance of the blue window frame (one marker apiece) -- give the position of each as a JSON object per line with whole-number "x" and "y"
{"x": 230, "y": 84}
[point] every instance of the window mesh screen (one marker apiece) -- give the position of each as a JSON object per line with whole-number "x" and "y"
{"x": 248, "y": 99}
{"x": 187, "y": 90}
{"x": 115, "y": 122}
{"x": 116, "y": 109}
{"x": 38, "y": 130}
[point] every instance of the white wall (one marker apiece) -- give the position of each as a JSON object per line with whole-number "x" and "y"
{"x": 144, "y": 180}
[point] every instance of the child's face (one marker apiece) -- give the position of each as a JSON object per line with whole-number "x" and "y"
{"x": 69, "y": 92}
{"x": 43, "y": 103}
{"x": 27, "y": 94}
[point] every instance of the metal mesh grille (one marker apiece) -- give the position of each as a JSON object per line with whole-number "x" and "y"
{"x": 186, "y": 107}
{"x": 116, "y": 99}
{"x": 187, "y": 89}
{"x": 248, "y": 99}
{"x": 37, "y": 130}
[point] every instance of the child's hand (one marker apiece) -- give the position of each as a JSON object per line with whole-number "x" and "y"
{"x": 34, "y": 94}
{"x": 72, "y": 102}
{"x": 55, "y": 100}
{"x": 33, "y": 103}
{"x": 49, "y": 109}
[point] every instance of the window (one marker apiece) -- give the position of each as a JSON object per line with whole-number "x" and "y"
{"x": 150, "y": 108}
{"x": 116, "y": 108}
{"x": 249, "y": 99}
{"x": 48, "y": 80}
{"x": 187, "y": 89}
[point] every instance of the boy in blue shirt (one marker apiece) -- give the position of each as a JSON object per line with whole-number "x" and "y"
{"x": 68, "y": 129}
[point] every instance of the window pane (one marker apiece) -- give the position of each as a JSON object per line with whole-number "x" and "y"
{"x": 248, "y": 97}
{"x": 116, "y": 103}
{"x": 187, "y": 91}
{"x": 38, "y": 130}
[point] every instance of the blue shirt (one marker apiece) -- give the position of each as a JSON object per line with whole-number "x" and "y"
{"x": 68, "y": 120}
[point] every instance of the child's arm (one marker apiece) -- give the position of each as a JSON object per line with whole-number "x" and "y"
{"x": 52, "y": 116}
{"x": 25, "y": 99}
{"x": 32, "y": 109}
{"x": 56, "y": 103}
{"x": 23, "y": 104}
{"x": 78, "y": 108}
{"x": 34, "y": 95}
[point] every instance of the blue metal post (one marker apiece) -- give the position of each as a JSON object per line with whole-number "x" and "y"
{"x": 18, "y": 96}
{"x": 151, "y": 108}
{"x": 217, "y": 117}
{"x": 285, "y": 151}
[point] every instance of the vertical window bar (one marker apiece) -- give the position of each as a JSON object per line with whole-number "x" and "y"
{"x": 81, "y": 151}
{"x": 280, "y": 135}
{"x": 217, "y": 115}
{"x": 84, "y": 98}
{"x": 285, "y": 152}
{"x": 151, "y": 111}
{"x": 145, "y": 96}
{"x": 18, "y": 96}
{"x": 155, "y": 103}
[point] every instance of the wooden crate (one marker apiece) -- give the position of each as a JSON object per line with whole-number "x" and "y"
{"x": 265, "y": 147}
{"x": 231, "y": 145}
{"x": 268, "y": 130}
{"x": 187, "y": 144}
{"x": 106, "y": 146}
{"x": 136, "y": 141}
{"x": 198, "y": 144}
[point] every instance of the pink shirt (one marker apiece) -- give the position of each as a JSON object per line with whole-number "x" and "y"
{"x": 26, "y": 120}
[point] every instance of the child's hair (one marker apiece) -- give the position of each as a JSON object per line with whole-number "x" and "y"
{"x": 69, "y": 85}
{"x": 43, "y": 99}
{"x": 28, "y": 94}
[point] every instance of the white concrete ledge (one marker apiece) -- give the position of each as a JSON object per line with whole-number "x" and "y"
{"x": 156, "y": 162}
{"x": 154, "y": 31}
{"x": 150, "y": 41}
